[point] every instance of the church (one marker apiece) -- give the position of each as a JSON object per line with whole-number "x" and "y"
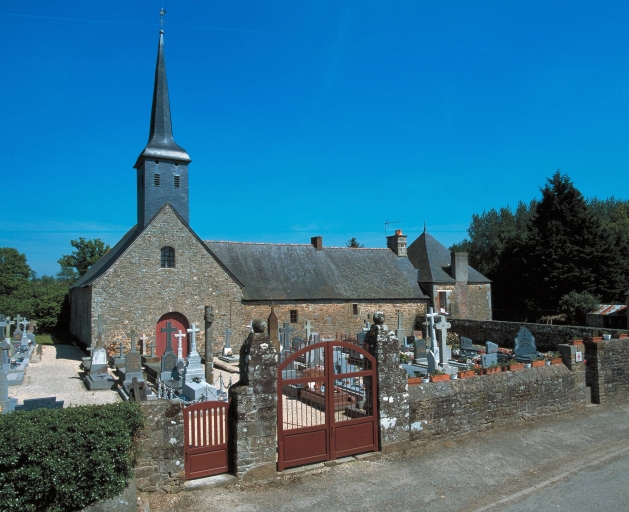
{"x": 161, "y": 271}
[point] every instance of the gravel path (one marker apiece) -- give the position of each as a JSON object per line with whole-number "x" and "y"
{"x": 57, "y": 373}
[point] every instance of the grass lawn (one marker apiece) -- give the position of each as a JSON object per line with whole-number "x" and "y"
{"x": 44, "y": 339}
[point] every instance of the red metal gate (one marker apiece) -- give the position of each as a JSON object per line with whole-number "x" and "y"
{"x": 206, "y": 427}
{"x": 326, "y": 404}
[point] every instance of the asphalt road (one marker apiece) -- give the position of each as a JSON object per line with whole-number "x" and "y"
{"x": 577, "y": 462}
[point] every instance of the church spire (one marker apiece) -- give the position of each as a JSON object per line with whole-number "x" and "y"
{"x": 161, "y": 143}
{"x": 162, "y": 168}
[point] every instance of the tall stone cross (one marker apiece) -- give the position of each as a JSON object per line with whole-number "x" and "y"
{"x": 133, "y": 335}
{"x": 308, "y": 328}
{"x": 430, "y": 326}
{"x": 285, "y": 332}
{"x": 3, "y": 324}
{"x": 7, "y": 333}
{"x": 399, "y": 333}
{"x": 121, "y": 344}
{"x": 18, "y": 320}
{"x": 180, "y": 335}
{"x": 169, "y": 329}
{"x": 193, "y": 337}
{"x": 100, "y": 322}
{"x": 442, "y": 326}
{"x": 24, "y": 323}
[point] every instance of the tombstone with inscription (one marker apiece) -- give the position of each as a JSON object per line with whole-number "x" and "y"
{"x": 168, "y": 365}
{"x": 419, "y": 349}
{"x": 524, "y": 350}
{"x": 98, "y": 377}
{"x": 194, "y": 383}
{"x": 133, "y": 366}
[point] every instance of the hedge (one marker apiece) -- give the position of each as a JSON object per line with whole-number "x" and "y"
{"x": 66, "y": 459}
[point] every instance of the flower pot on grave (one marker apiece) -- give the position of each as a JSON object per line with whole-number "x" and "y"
{"x": 577, "y": 342}
{"x": 453, "y": 376}
{"x": 537, "y": 364}
{"x": 623, "y": 335}
{"x": 547, "y": 362}
{"x": 556, "y": 360}
{"x": 439, "y": 378}
{"x": 466, "y": 374}
{"x": 515, "y": 367}
{"x": 595, "y": 339}
{"x": 414, "y": 380}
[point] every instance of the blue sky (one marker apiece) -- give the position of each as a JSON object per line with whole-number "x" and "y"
{"x": 307, "y": 118}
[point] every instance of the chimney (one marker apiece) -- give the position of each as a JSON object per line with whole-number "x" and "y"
{"x": 397, "y": 243}
{"x": 317, "y": 242}
{"x": 458, "y": 267}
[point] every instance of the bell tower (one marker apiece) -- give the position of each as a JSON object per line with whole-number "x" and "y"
{"x": 162, "y": 168}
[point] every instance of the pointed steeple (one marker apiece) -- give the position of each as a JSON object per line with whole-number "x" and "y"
{"x": 162, "y": 168}
{"x": 161, "y": 143}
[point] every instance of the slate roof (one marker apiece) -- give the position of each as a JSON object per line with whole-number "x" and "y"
{"x": 300, "y": 272}
{"x": 161, "y": 143}
{"x": 432, "y": 261}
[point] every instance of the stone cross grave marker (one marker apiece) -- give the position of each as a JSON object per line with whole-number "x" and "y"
{"x": 133, "y": 365}
{"x": 285, "y": 332}
{"x": 308, "y": 328}
{"x": 24, "y": 323}
{"x": 7, "y": 333}
{"x": 442, "y": 333}
{"x": 121, "y": 345}
{"x": 525, "y": 349}
{"x": 100, "y": 323}
{"x": 399, "y": 332}
{"x": 169, "y": 359}
{"x": 194, "y": 382}
{"x": 3, "y": 324}
{"x": 430, "y": 330}
{"x": 227, "y": 349}
{"x": 273, "y": 325}
{"x": 180, "y": 335}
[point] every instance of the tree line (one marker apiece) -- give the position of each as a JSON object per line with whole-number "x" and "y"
{"x": 44, "y": 299}
{"x": 561, "y": 253}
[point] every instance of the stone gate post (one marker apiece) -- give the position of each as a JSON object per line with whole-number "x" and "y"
{"x": 393, "y": 400}
{"x": 253, "y": 417}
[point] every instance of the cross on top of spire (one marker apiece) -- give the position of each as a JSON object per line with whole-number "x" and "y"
{"x": 161, "y": 19}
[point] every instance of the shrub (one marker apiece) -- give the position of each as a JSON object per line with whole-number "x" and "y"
{"x": 66, "y": 459}
{"x": 576, "y": 305}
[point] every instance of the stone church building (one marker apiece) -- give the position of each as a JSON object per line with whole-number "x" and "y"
{"x": 162, "y": 271}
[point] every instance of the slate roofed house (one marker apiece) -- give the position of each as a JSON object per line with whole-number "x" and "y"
{"x": 449, "y": 281}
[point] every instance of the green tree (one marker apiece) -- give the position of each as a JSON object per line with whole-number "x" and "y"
{"x": 576, "y": 305}
{"x": 15, "y": 283}
{"x": 86, "y": 254}
{"x": 353, "y": 243}
{"x": 568, "y": 249}
{"x": 48, "y": 297}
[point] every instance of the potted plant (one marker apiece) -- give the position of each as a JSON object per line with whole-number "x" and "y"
{"x": 425, "y": 379}
{"x": 438, "y": 375}
{"x": 467, "y": 373}
{"x": 513, "y": 365}
{"x": 494, "y": 368}
{"x": 607, "y": 336}
{"x": 577, "y": 341}
{"x": 537, "y": 363}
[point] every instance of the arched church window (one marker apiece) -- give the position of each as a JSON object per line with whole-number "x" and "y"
{"x": 168, "y": 257}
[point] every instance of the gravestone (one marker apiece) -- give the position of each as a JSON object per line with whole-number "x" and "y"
{"x": 7, "y": 404}
{"x": 169, "y": 359}
{"x": 419, "y": 349}
{"x": 488, "y": 359}
{"x": 194, "y": 383}
{"x": 525, "y": 350}
{"x": 308, "y": 329}
{"x": 98, "y": 377}
{"x": 138, "y": 390}
{"x": 467, "y": 347}
{"x": 3, "y": 324}
{"x": 228, "y": 355}
{"x": 491, "y": 347}
{"x": 180, "y": 336}
{"x": 133, "y": 366}
{"x": 432, "y": 361}
{"x": 430, "y": 332}
{"x": 285, "y": 333}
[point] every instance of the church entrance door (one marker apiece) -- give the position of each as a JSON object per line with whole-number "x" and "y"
{"x": 179, "y": 322}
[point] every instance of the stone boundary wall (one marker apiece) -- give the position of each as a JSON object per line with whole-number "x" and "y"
{"x": 607, "y": 369}
{"x": 547, "y": 337}
{"x": 160, "y": 461}
{"x": 448, "y": 409}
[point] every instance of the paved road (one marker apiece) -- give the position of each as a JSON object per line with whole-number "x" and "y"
{"x": 572, "y": 455}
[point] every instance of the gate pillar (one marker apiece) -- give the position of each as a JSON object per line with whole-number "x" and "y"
{"x": 393, "y": 404}
{"x": 253, "y": 425}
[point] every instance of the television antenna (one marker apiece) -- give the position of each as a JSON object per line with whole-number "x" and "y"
{"x": 387, "y": 223}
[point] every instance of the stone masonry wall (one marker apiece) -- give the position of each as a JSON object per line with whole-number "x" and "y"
{"x": 253, "y": 413}
{"x": 607, "y": 369}
{"x": 160, "y": 463}
{"x": 471, "y": 301}
{"x": 330, "y": 318}
{"x": 452, "y": 408}
{"x": 547, "y": 337}
{"x": 136, "y": 292}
